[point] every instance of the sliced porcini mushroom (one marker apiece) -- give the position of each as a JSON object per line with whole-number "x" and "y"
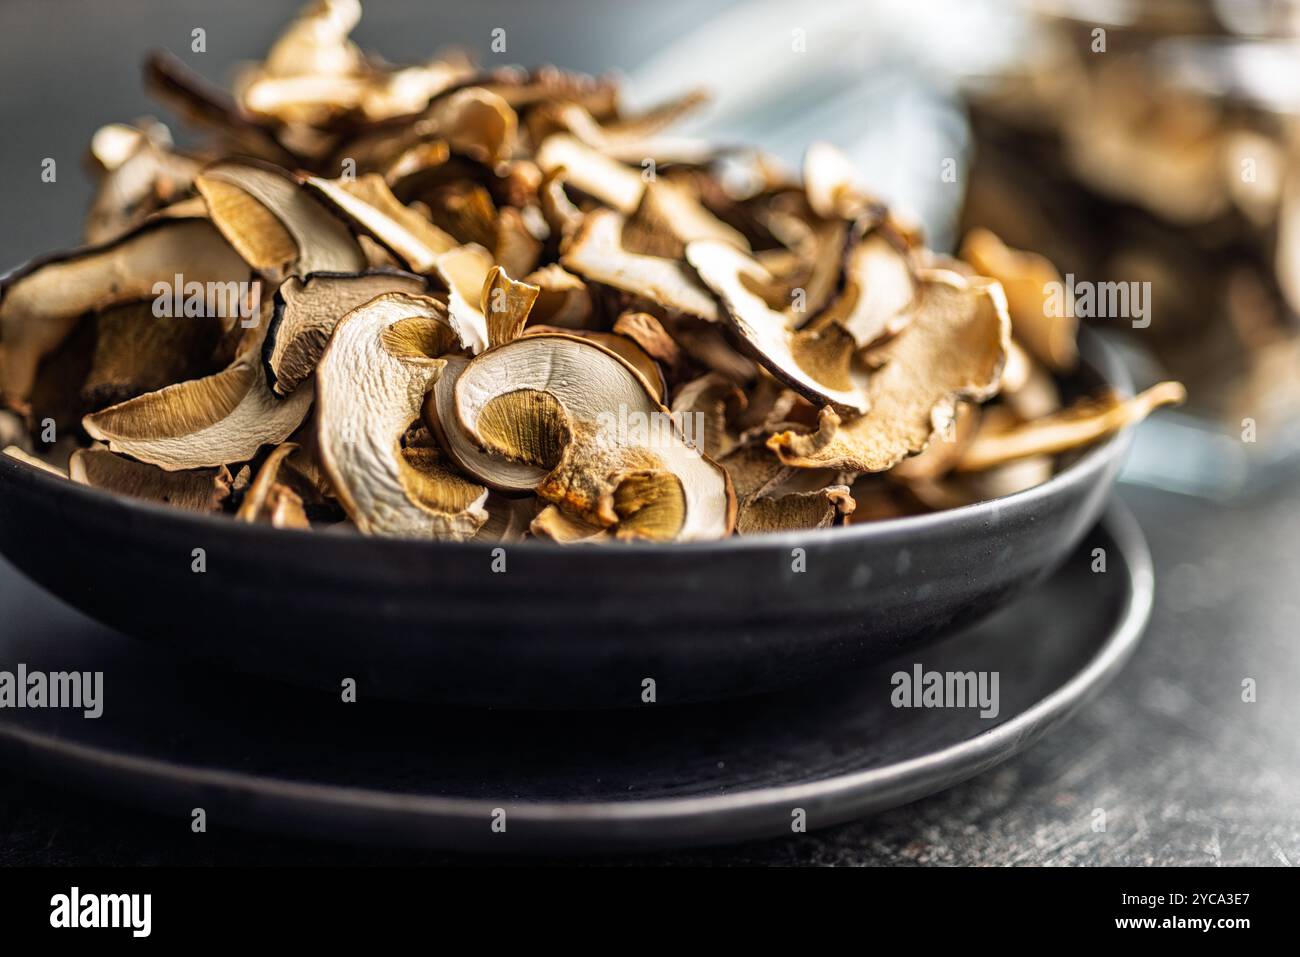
{"x": 617, "y": 186}
{"x": 508, "y": 518}
{"x": 953, "y": 349}
{"x": 41, "y": 303}
{"x": 796, "y": 510}
{"x": 370, "y": 204}
{"x": 505, "y": 304}
{"x": 517, "y": 247}
{"x": 140, "y": 174}
{"x": 270, "y": 500}
{"x": 612, "y": 454}
{"x": 306, "y": 310}
{"x": 562, "y": 300}
{"x": 466, "y": 211}
{"x": 945, "y": 449}
{"x": 878, "y": 295}
{"x": 649, "y": 333}
{"x": 1040, "y": 317}
{"x": 597, "y": 254}
{"x": 274, "y": 222}
{"x": 556, "y": 525}
{"x": 829, "y": 183}
{"x": 1077, "y": 425}
{"x": 491, "y": 469}
{"x": 1027, "y": 388}
{"x": 477, "y": 123}
{"x": 561, "y": 215}
{"x": 16, "y": 452}
{"x": 629, "y": 139}
{"x": 668, "y": 217}
{"x": 703, "y": 407}
{"x": 465, "y": 271}
{"x": 622, "y": 346}
{"x": 137, "y": 352}
{"x": 199, "y": 490}
{"x": 390, "y": 478}
{"x": 818, "y": 363}
{"x": 201, "y": 423}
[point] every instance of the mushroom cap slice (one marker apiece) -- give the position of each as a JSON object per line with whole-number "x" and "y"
{"x": 199, "y": 490}
{"x": 597, "y": 253}
{"x": 216, "y": 420}
{"x": 492, "y": 470}
{"x": 306, "y": 310}
{"x": 623, "y": 346}
{"x": 390, "y": 352}
{"x": 953, "y": 349}
{"x": 41, "y": 302}
{"x": 878, "y": 295}
{"x": 818, "y": 363}
{"x": 796, "y": 510}
{"x": 274, "y": 222}
{"x": 368, "y": 202}
{"x": 613, "y": 455}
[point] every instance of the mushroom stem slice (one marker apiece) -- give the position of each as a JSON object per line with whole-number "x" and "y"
{"x": 391, "y": 350}
{"x": 1080, "y": 424}
{"x": 613, "y": 455}
{"x": 199, "y": 490}
{"x": 953, "y": 349}
{"x": 818, "y": 363}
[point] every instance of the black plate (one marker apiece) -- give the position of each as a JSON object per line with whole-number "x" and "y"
{"x": 255, "y": 754}
{"x": 558, "y": 627}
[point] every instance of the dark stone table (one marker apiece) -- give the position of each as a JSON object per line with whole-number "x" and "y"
{"x": 1185, "y": 770}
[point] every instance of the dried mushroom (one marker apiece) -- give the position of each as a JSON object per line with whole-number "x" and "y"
{"x": 439, "y": 302}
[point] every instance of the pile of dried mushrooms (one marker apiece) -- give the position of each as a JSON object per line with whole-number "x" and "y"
{"x": 437, "y": 302}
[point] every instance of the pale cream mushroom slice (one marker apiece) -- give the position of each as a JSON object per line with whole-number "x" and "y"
{"x": 1042, "y": 318}
{"x": 139, "y": 173}
{"x": 465, "y": 270}
{"x": 819, "y": 363}
{"x": 306, "y": 310}
{"x": 370, "y": 204}
{"x": 198, "y": 490}
{"x": 607, "y": 180}
{"x": 274, "y": 222}
{"x": 202, "y": 423}
{"x": 509, "y": 518}
{"x": 878, "y": 295}
{"x": 391, "y": 480}
{"x": 597, "y": 254}
{"x": 953, "y": 350}
{"x": 623, "y": 346}
{"x": 22, "y": 455}
{"x": 556, "y": 525}
{"x": 612, "y": 454}
{"x": 703, "y": 407}
{"x": 563, "y": 299}
{"x": 41, "y": 303}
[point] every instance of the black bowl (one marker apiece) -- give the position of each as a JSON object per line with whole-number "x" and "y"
{"x": 554, "y": 627}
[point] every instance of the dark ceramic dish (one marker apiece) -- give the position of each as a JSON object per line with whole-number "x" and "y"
{"x": 559, "y": 627}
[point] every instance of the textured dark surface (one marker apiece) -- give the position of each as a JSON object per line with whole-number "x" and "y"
{"x": 1185, "y": 771}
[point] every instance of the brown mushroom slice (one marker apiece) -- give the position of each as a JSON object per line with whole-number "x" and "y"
{"x": 953, "y": 349}
{"x": 198, "y": 490}
{"x": 612, "y": 454}
{"x": 493, "y": 470}
{"x": 944, "y": 451}
{"x": 555, "y": 524}
{"x": 465, "y": 270}
{"x": 202, "y": 423}
{"x": 1077, "y": 425}
{"x": 1027, "y": 387}
{"x": 505, "y": 304}
{"x": 617, "y": 186}
{"x": 562, "y": 300}
{"x": 390, "y": 350}
{"x": 649, "y": 333}
{"x": 597, "y": 254}
{"x": 256, "y": 505}
{"x": 818, "y": 363}
{"x": 477, "y": 123}
{"x": 622, "y": 346}
{"x": 668, "y": 217}
{"x": 22, "y": 455}
{"x": 41, "y": 303}
{"x": 702, "y": 408}
{"x": 306, "y": 311}
{"x": 316, "y": 42}
{"x": 796, "y": 510}
{"x": 273, "y": 221}
{"x": 879, "y": 292}
{"x": 370, "y": 204}
{"x": 1042, "y": 321}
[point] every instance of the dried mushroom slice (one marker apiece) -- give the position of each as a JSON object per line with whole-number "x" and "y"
{"x": 613, "y": 455}
{"x": 668, "y": 217}
{"x": 1080, "y": 424}
{"x": 703, "y": 407}
{"x": 562, "y": 300}
{"x": 879, "y": 292}
{"x": 493, "y": 470}
{"x": 391, "y": 483}
{"x": 199, "y": 490}
{"x": 22, "y": 455}
{"x": 41, "y": 303}
{"x": 622, "y": 346}
{"x": 505, "y": 304}
{"x": 203, "y": 423}
{"x": 818, "y": 363}
{"x": 273, "y": 221}
{"x": 953, "y": 349}
{"x": 508, "y": 518}
{"x": 829, "y": 183}
{"x": 609, "y": 181}
{"x": 556, "y": 525}
{"x": 1040, "y": 318}
{"x": 139, "y": 175}
{"x": 271, "y": 500}
{"x": 370, "y": 204}
{"x": 597, "y": 254}
{"x": 796, "y": 510}
{"x": 465, "y": 271}
{"x": 306, "y": 310}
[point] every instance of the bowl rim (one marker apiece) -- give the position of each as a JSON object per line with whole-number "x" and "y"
{"x": 1095, "y": 353}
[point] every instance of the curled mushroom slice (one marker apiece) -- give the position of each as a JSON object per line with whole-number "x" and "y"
{"x": 206, "y": 422}
{"x": 274, "y": 223}
{"x": 818, "y": 363}
{"x": 879, "y": 291}
{"x": 40, "y": 303}
{"x": 829, "y": 181}
{"x": 953, "y": 349}
{"x": 368, "y": 202}
{"x": 702, "y": 408}
{"x": 597, "y": 253}
{"x": 558, "y": 526}
{"x": 391, "y": 482}
{"x": 508, "y": 518}
{"x": 1080, "y": 424}
{"x": 1041, "y": 317}
{"x": 505, "y": 304}
{"x": 796, "y": 510}
{"x": 199, "y": 490}
{"x": 306, "y": 311}
{"x": 668, "y": 217}
{"x": 613, "y": 455}
{"x": 267, "y": 498}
